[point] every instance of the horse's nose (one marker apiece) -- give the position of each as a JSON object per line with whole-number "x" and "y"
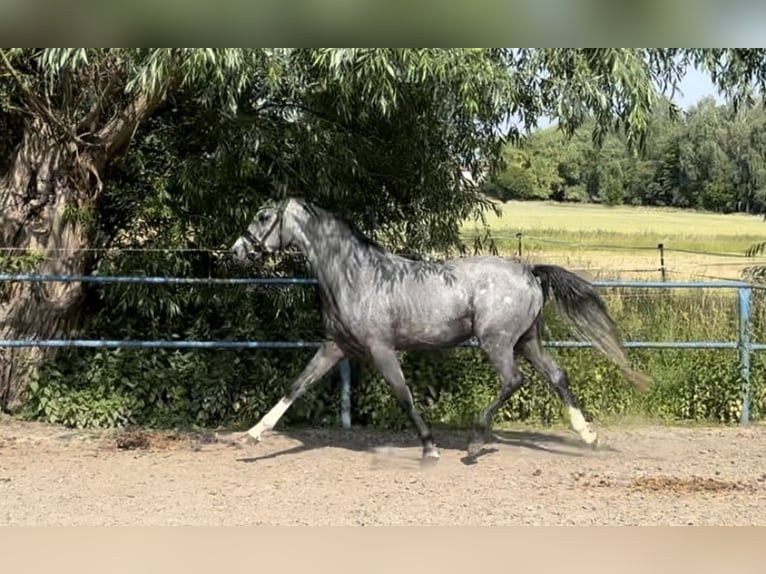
{"x": 238, "y": 249}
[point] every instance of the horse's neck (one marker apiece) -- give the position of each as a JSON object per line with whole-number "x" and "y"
{"x": 333, "y": 253}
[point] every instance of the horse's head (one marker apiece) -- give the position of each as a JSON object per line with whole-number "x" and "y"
{"x": 267, "y": 233}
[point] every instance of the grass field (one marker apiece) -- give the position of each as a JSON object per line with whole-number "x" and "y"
{"x": 611, "y": 242}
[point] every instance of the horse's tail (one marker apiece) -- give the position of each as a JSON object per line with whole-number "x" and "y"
{"x": 589, "y": 315}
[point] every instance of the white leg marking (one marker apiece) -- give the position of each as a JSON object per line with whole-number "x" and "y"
{"x": 270, "y": 419}
{"x": 432, "y": 454}
{"x": 581, "y": 426}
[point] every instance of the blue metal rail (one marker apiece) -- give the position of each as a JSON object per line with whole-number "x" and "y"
{"x": 743, "y": 342}
{"x": 27, "y": 277}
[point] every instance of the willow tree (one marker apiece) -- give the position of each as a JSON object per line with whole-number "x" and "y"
{"x": 66, "y": 116}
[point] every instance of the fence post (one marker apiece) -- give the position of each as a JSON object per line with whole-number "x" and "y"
{"x": 519, "y": 235}
{"x": 345, "y": 394}
{"x": 661, "y": 247}
{"x": 744, "y": 351}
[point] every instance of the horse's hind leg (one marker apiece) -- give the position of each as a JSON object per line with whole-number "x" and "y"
{"x": 500, "y": 352}
{"x": 531, "y": 349}
{"x": 387, "y": 362}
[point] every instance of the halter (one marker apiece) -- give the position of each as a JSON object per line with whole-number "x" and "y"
{"x": 258, "y": 244}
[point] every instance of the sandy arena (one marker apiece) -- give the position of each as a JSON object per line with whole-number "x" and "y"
{"x": 646, "y": 475}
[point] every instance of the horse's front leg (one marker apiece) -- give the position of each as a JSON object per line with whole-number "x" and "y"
{"x": 387, "y": 362}
{"x": 325, "y": 359}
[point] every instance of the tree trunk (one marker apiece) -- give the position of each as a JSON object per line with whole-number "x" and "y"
{"x": 48, "y": 200}
{"x": 44, "y": 201}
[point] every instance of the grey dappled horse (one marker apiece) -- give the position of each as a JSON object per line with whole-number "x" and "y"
{"x": 375, "y": 303}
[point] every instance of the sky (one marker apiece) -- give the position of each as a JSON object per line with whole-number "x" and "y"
{"x": 695, "y": 86}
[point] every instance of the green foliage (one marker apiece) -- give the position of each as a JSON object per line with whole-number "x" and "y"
{"x": 698, "y": 386}
{"x": 515, "y": 182}
{"x": 714, "y": 158}
{"x": 171, "y": 388}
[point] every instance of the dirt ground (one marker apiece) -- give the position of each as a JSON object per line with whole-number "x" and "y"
{"x": 643, "y": 475}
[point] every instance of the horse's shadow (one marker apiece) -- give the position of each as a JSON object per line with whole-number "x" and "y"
{"x": 363, "y": 440}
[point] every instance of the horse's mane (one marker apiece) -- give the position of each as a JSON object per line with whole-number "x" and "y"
{"x": 319, "y": 214}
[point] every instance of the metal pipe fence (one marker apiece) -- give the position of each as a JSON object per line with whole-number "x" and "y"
{"x": 743, "y": 343}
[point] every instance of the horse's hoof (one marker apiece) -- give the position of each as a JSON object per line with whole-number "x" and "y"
{"x": 250, "y": 439}
{"x": 243, "y": 439}
{"x": 475, "y": 447}
{"x": 430, "y": 457}
{"x": 229, "y": 439}
{"x": 598, "y": 444}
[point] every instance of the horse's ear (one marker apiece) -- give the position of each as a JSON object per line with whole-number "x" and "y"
{"x": 271, "y": 203}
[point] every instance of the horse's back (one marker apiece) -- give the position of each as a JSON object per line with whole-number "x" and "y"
{"x": 505, "y": 294}
{"x": 491, "y": 279}
{"x": 493, "y": 271}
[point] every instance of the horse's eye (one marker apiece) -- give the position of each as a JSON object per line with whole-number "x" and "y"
{"x": 262, "y": 218}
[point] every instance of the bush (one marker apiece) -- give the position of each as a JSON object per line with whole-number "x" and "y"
{"x": 210, "y": 388}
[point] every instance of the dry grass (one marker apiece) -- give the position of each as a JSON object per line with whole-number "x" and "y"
{"x": 611, "y": 242}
